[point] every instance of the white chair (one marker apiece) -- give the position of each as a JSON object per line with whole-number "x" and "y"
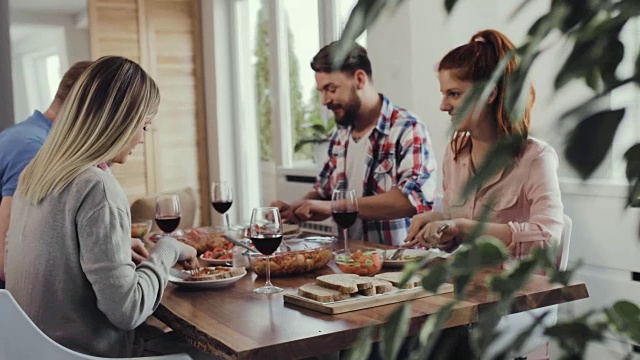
{"x": 512, "y": 325}
{"x": 20, "y": 338}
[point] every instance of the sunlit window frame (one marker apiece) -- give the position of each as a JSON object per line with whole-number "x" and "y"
{"x": 329, "y": 30}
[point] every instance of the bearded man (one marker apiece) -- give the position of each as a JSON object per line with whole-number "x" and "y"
{"x": 380, "y": 150}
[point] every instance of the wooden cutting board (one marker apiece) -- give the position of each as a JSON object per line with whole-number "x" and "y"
{"x": 359, "y": 302}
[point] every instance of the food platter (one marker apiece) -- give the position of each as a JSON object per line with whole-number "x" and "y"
{"x": 181, "y": 278}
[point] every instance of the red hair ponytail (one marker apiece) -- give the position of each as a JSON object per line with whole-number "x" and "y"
{"x": 476, "y": 61}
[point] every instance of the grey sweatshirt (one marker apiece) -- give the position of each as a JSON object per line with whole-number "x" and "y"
{"x": 69, "y": 267}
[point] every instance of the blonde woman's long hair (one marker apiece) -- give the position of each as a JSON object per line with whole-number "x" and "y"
{"x": 102, "y": 114}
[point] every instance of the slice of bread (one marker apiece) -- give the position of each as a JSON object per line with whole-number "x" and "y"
{"x": 395, "y": 277}
{"x": 322, "y": 294}
{"x": 379, "y": 287}
{"x": 289, "y": 229}
{"x": 346, "y": 283}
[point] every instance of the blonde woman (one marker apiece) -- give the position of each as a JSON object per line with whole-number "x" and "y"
{"x": 68, "y": 250}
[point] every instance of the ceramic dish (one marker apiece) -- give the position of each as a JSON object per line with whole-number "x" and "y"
{"x": 178, "y": 277}
{"x": 214, "y": 262}
{"x": 410, "y": 255}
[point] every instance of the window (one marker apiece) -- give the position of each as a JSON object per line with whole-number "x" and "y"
{"x": 52, "y": 65}
{"x": 303, "y": 42}
{"x": 280, "y": 37}
{"x": 43, "y": 78}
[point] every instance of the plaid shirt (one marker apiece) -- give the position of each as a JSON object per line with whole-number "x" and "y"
{"x": 399, "y": 155}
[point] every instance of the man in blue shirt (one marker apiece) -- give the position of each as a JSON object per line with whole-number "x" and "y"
{"x": 20, "y": 143}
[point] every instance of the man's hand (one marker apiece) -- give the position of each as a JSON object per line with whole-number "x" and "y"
{"x": 138, "y": 252}
{"x": 312, "y": 210}
{"x": 286, "y": 211}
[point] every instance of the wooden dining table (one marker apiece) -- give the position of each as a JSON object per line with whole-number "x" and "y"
{"x": 236, "y": 323}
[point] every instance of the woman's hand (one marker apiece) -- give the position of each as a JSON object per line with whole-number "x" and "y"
{"x": 438, "y": 233}
{"x": 188, "y": 256}
{"x": 418, "y": 222}
{"x": 138, "y": 252}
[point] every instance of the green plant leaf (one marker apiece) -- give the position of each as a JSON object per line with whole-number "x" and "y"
{"x": 573, "y": 336}
{"x": 564, "y": 276}
{"x": 436, "y": 276}
{"x": 632, "y": 156}
{"x": 469, "y": 99}
{"x": 362, "y": 346}
{"x": 394, "y": 332}
{"x": 410, "y": 270}
{"x": 611, "y": 57}
{"x": 362, "y": 16}
{"x": 493, "y": 81}
{"x": 509, "y": 282}
{"x": 524, "y": 335}
{"x": 577, "y": 65}
{"x": 430, "y": 331}
{"x": 625, "y": 317}
{"x": 634, "y": 195}
{"x": 499, "y": 157}
{"x": 449, "y": 4}
{"x": 590, "y": 140}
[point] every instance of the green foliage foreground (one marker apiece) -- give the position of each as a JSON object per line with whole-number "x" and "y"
{"x": 593, "y": 28}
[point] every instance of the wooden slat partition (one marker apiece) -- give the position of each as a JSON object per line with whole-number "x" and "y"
{"x": 164, "y": 37}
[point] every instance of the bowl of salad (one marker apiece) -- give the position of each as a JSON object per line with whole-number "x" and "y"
{"x": 365, "y": 262}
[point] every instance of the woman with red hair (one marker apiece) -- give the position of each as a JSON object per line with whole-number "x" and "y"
{"x": 523, "y": 199}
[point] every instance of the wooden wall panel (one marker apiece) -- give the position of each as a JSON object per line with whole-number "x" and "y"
{"x": 164, "y": 37}
{"x": 114, "y": 31}
{"x": 172, "y": 26}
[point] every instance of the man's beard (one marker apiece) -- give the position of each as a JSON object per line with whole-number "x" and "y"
{"x": 350, "y": 111}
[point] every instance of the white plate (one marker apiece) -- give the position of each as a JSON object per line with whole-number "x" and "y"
{"x": 292, "y": 237}
{"x": 429, "y": 254}
{"x": 214, "y": 262}
{"x": 177, "y": 277}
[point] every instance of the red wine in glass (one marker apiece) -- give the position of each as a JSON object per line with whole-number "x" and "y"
{"x": 265, "y": 233}
{"x": 345, "y": 219}
{"x": 221, "y": 206}
{"x": 168, "y": 223}
{"x": 266, "y": 244}
{"x": 221, "y": 199}
{"x": 344, "y": 210}
{"x": 168, "y": 213}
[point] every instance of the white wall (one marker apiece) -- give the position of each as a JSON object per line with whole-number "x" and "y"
{"x": 406, "y": 46}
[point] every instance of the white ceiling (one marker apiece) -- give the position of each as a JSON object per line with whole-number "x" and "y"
{"x": 58, "y": 6}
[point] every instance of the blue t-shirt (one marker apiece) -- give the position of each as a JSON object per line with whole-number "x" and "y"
{"x": 18, "y": 145}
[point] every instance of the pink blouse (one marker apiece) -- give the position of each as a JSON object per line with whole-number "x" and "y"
{"x": 526, "y": 196}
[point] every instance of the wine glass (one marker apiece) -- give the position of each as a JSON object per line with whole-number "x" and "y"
{"x": 168, "y": 213}
{"x": 265, "y": 232}
{"x": 221, "y": 199}
{"x": 344, "y": 210}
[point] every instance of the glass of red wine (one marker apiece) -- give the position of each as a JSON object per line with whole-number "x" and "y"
{"x": 221, "y": 199}
{"x": 344, "y": 210}
{"x": 265, "y": 232}
{"x": 168, "y": 213}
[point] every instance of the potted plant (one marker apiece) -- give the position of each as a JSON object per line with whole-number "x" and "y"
{"x": 317, "y": 133}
